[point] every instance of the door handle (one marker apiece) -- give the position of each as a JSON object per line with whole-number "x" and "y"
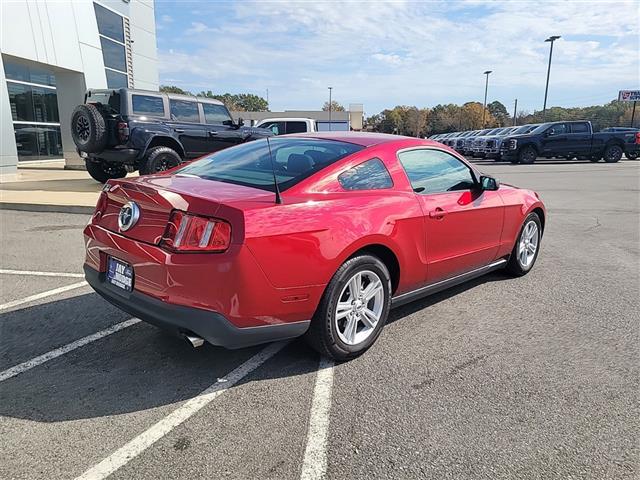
{"x": 213, "y": 132}
{"x": 438, "y": 213}
{"x": 178, "y": 130}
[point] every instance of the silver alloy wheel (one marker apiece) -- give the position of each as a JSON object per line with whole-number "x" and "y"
{"x": 528, "y": 244}
{"x": 360, "y": 306}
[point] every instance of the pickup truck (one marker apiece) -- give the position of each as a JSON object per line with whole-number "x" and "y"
{"x": 282, "y": 126}
{"x": 569, "y": 140}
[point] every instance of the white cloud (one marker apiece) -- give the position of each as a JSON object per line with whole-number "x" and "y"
{"x": 386, "y": 53}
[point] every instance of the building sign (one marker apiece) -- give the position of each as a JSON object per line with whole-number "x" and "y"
{"x": 629, "y": 96}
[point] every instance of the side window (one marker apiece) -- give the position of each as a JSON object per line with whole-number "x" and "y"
{"x": 296, "y": 127}
{"x": 276, "y": 127}
{"x": 579, "y": 128}
{"x": 558, "y": 129}
{"x": 184, "y": 111}
{"x": 147, "y": 105}
{"x": 370, "y": 175}
{"x": 215, "y": 113}
{"x": 435, "y": 171}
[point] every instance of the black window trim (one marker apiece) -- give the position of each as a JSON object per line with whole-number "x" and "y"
{"x": 474, "y": 173}
{"x": 366, "y": 189}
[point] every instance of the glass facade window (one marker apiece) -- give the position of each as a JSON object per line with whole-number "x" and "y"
{"x": 113, "y": 54}
{"x": 116, "y": 79}
{"x": 30, "y": 74}
{"x": 109, "y": 23}
{"x": 112, "y": 42}
{"x": 38, "y": 142}
{"x": 34, "y": 109}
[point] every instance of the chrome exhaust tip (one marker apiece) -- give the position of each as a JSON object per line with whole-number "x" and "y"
{"x": 194, "y": 341}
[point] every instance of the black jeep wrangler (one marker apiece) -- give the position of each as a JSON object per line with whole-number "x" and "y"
{"x": 120, "y": 131}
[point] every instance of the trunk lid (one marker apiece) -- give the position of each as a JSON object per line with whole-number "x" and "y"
{"x": 157, "y": 195}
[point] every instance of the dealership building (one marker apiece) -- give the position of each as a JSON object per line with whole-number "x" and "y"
{"x": 51, "y": 52}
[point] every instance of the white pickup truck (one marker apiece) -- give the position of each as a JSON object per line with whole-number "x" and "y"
{"x": 282, "y": 126}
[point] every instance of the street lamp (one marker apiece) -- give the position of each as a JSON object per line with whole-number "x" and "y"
{"x": 486, "y": 87}
{"x": 330, "y": 88}
{"x": 551, "y": 39}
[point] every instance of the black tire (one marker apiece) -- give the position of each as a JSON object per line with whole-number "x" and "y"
{"x": 613, "y": 153}
{"x": 159, "y": 159}
{"x": 88, "y": 129}
{"x": 101, "y": 171}
{"x": 323, "y": 331}
{"x": 514, "y": 265}
{"x": 527, "y": 155}
{"x": 631, "y": 155}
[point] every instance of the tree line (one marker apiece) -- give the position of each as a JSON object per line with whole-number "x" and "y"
{"x": 422, "y": 122}
{"x": 238, "y": 102}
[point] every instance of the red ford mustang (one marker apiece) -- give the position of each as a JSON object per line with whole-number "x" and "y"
{"x": 358, "y": 223}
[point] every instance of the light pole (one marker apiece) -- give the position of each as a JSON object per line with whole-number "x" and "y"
{"x": 486, "y": 87}
{"x": 330, "y": 88}
{"x": 551, "y": 39}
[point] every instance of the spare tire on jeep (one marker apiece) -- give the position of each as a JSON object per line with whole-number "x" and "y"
{"x": 88, "y": 129}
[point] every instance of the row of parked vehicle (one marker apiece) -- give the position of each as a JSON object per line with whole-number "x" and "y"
{"x": 525, "y": 143}
{"x": 480, "y": 143}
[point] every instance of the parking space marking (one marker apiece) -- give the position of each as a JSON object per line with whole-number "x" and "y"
{"x": 314, "y": 465}
{"x": 38, "y": 296}
{"x": 139, "y": 444}
{"x": 34, "y": 362}
{"x": 41, "y": 274}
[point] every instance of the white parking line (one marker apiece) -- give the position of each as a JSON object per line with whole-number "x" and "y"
{"x": 139, "y": 444}
{"x": 34, "y": 362}
{"x": 41, "y": 274}
{"x": 314, "y": 465}
{"x": 38, "y": 296}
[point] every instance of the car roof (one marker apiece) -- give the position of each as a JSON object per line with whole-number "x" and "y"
{"x": 365, "y": 139}
{"x": 286, "y": 119}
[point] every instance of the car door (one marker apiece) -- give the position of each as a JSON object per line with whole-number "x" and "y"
{"x": 220, "y": 129}
{"x": 185, "y": 122}
{"x": 579, "y": 138}
{"x": 463, "y": 223}
{"x": 554, "y": 142}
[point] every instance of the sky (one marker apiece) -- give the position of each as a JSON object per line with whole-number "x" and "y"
{"x": 387, "y": 53}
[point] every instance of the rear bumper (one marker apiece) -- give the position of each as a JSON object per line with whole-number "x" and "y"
{"x": 211, "y": 326}
{"x": 116, "y": 155}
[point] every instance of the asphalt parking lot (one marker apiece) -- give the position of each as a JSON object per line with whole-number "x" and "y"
{"x": 536, "y": 377}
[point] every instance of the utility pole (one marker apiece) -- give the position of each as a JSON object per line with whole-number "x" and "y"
{"x": 515, "y": 109}
{"x": 267, "y": 98}
{"x": 546, "y": 89}
{"x": 633, "y": 113}
{"x": 486, "y": 88}
{"x": 330, "y": 88}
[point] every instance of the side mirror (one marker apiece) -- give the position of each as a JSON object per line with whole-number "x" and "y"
{"x": 240, "y": 122}
{"x": 550, "y": 133}
{"x": 488, "y": 183}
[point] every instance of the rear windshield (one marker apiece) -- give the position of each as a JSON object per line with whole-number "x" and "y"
{"x": 249, "y": 164}
{"x": 109, "y": 99}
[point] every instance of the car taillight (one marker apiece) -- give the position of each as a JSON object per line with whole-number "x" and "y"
{"x": 123, "y": 131}
{"x": 637, "y": 138}
{"x": 192, "y": 233}
{"x": 101, "y": 206}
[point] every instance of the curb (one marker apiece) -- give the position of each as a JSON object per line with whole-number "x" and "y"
{"x": 43, "y": 207}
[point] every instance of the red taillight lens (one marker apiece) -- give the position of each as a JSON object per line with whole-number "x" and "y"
{"x": 191, "y": 233}
{"x": 637, "y": 138}
{"x": 123, "y": 131}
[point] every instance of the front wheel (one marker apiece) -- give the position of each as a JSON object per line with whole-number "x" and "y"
{"x": 525, "y": 251}
{"x": 528, "y": 155}
{"x": 159, "y": 159}
{"x": 613, "y": 153}
{"x": 102, "y": 171}
{"x": 353, "y": 309}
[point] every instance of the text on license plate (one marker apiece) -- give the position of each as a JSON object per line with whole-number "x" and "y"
{"x": 119, "y": 274}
